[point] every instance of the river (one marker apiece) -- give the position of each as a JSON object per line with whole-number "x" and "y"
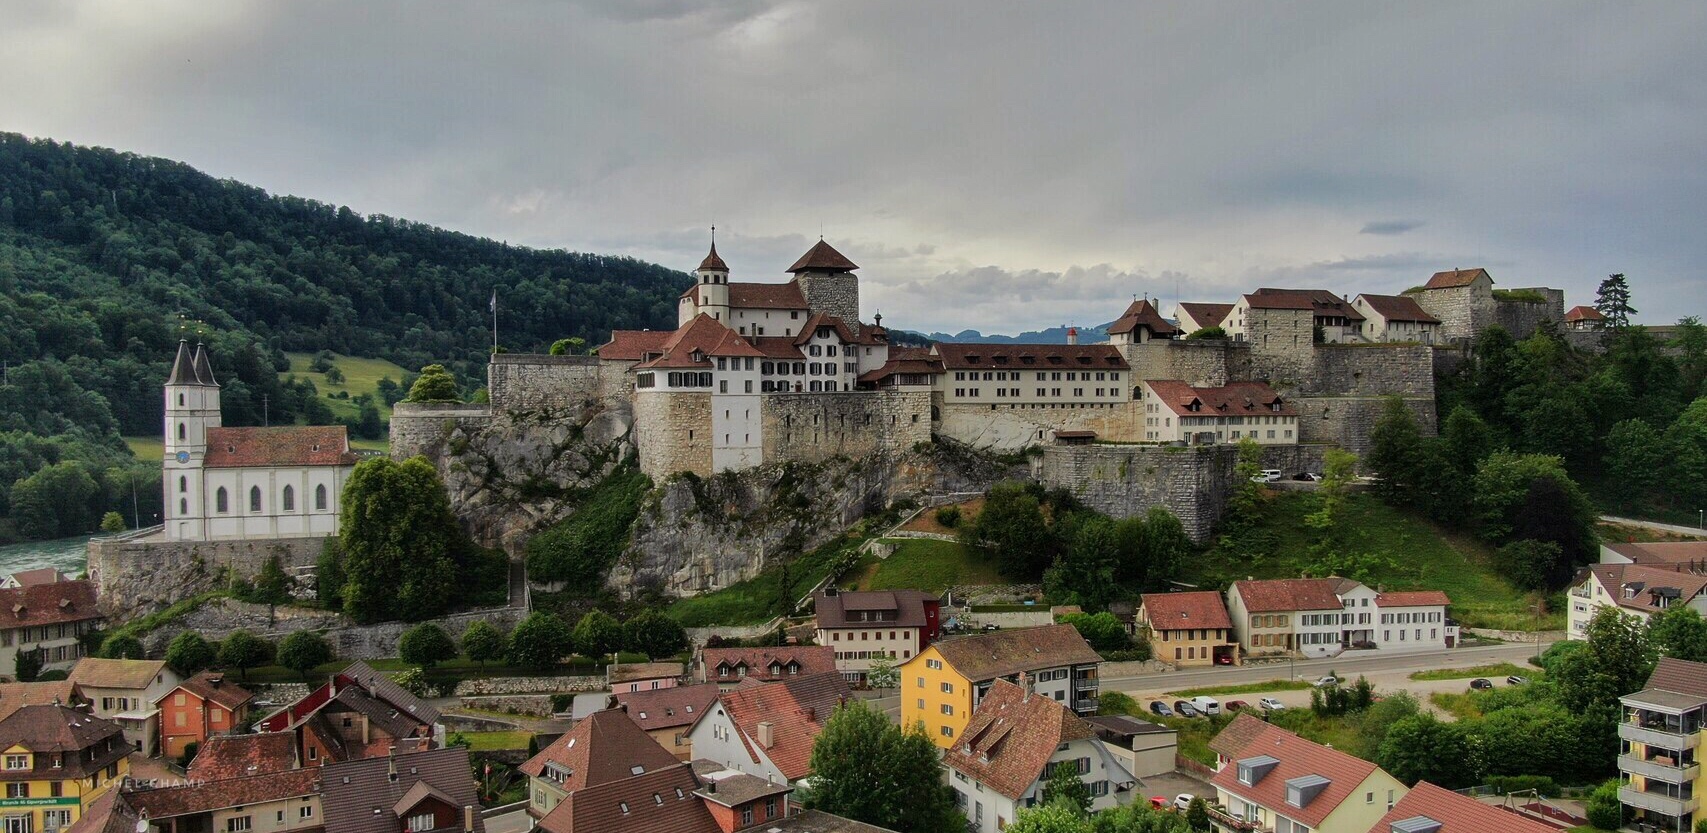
{"x": 70, "y": 555}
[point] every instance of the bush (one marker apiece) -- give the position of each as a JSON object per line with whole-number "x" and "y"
{"x": 1103, "y": 631}
{"x": 948, "y": 516}
{"x": 562, "y": 702}
{"x": 1208, "y": 332}
{"x": 414, "y": 681}
{"x": 189, "y": 653}
{"x": 581, "y": 549}
{"x": 122, "y": 646}
{"x": 1603, "y": 808}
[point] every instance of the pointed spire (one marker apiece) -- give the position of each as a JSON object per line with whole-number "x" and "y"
{"x": 822, "y": 257}
{"x": 183, "y": 367}
{"x": 712, "y": 261}
{"x": 204, "y": 370}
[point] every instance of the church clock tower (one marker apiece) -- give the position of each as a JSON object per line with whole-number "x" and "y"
{"x": 192, "y": 407}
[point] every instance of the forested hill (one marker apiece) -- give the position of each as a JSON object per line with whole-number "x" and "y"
{"x": 102, "y": 252}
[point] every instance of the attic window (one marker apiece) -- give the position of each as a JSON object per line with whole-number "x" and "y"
{"x": 231, "y": 449}
{"x": 643, "y": 715}
{"x": 624, "y": 806}
{"x": 636, "y": 770}
{"x": 1304, "y": 789}
{"x": 316, "y": 446}
{"x": 974, "y": 358}
{"x": 657, "y": 799}
{"x": 1000, "y": 359}
{"x": 1416, "y": 824}
{"x": 1084, "y": 360}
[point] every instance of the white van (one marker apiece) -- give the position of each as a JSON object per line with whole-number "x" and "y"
{"x": 1206, "y": 705}
{"x": 1267, "y": 476}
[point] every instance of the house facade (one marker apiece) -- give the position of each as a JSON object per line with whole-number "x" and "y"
{"x": 1414, "y": 621}
{"x": 199, "y": 708}
{"x": 860, "y": 626}
{"x": 642, "y": 676}
{"x": 943, "y": 684}
{"x": 1283, "y": 783}
{"x": 1660, "y": 737}
{"x": 1175, "y": 412}
{"x": 1395, "y": 318}
{"x": 766, "y": 729}
{"x": 124, "y": 691}
{"x": 605, "y": 746}
{"x": 1635, "y": 590}
{"x": 1299, "y": 617}
{"x": 47, "y": 617}
{"x": 57, "y": 762}
{"x": 1189, "y": 629}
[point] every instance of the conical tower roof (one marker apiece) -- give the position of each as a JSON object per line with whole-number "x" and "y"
{"x": 822, "y": 257}
{"x": 183, "y": 367}
{"x": 204, "y": 370}
{"x": 713, "y": 262}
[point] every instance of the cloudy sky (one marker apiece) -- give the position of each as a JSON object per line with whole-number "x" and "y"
{"x": 993, "y": 165}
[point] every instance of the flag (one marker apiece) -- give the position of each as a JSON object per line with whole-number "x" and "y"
{"x": 494, "y": 305}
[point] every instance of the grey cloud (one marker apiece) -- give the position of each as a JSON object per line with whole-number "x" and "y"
{"x": 1390, "y": 226}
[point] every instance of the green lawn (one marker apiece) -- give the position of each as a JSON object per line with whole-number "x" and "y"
{"x": 1245, "y": 688}
{"x": 928, "y": 564}
{"x": 1501, "y": 669}
{"x": 1426, "y": 557}
{"x": 494, "y": 741}
{"x": 760, "y": 598}
{"x": 360, "y": 376}
{"x": 151, "y": 449}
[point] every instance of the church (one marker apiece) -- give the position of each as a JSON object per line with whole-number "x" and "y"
{"x": 223, "y": 484}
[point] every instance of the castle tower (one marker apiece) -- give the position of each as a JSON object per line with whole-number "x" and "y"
{"x": 826, "y": 279}
{"x": 713, "y": 275}
{"x": 192, "y": 407}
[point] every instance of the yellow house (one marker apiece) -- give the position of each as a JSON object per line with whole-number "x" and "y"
{"x": 943, "y": 684}
{"x": 1188, "y": 629}
{"x": 1280, "y": 781}
{"x": 56, "y": 762}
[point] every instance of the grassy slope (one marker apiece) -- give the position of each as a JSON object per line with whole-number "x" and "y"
{"x": 925, "y": 564}
{"x": 758, "y": 599}
{"x": 1428, "y": 558}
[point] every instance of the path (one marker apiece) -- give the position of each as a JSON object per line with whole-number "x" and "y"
{"x": 1655, "y": 525}
{"x": 1309, "y": 669}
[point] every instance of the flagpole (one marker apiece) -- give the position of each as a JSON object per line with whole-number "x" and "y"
{"x": 494, "y": 320}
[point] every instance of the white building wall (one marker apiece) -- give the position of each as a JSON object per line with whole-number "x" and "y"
{"x": 999, "y": 810}
{"x": 1419, "y": 628}
{"x": 1317, "y": 632}
{"x": 848, "y": 645}
{"x": 716, "y": 738}
{"x": 305, "y": 518}
{"x": 767, "y": 322}
{"x": 1359, "y": 617}
{"x": 736, "y": 420}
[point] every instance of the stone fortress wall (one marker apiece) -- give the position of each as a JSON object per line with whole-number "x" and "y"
{"x": 1523, "y": 318}
{"x": 135, "y": 575}
{"x": 672, "y": 433}
{"x": 813, "y": 427}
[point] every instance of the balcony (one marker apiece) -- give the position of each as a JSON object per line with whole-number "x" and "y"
{"x": 1655, "y": 737}
{"x": 1227, "y": 821}
{"x": 1658, "y": 802}
{"x": 1659, "y": 768}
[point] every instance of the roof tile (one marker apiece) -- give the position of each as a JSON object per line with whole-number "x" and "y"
{"x": 1184, "y": 611}
{"x": 987, "y": 656}
{"x": 293, "y": 445}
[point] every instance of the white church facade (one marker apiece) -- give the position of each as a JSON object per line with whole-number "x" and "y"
{"x": 225, "y": 484}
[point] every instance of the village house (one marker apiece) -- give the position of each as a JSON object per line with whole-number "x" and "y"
{"x": 1001, "y": 762}
{"x": 1636, "y": 590}
{"x": 1685, "y": 556}
{"x": 124, "y": 691}
{"x": 14, "y": 696}
{"x": 1175, "y": 412}
{"x": 667, "y": 714}
{"x": 1660, "y": 735}
{"x": 1188, "y": 629}
{"x": 57, "y": 762}
{"x": 605, "y": 746}
{"x": 1282, "y": 782}
{"x": 1414, "y": 620}
{"x": 1292, "y": 319}
{"x": 432, "y": 791}
{"x": 1395, "y": 318}
{"x": 1141, "y": 323}
{"x": 642, "y": 676}
{"x": 1299, "y": 616}
{"x": 862, "y": 626}
{"x": 198, "y": 708}
{"x": 47, "y": 617}
{"x": 942, "y": 685}
{"x": 224, "y": 757}
{"x": 1144, "y": 748}
{"x": 1192, "y": 316}
{"x": 1584, "y": 318}
{"x": 277, "y": 802}
{"x": 767, "y": 729}
{"x": 358, "y": 713}
{"x": 729, "y": 666}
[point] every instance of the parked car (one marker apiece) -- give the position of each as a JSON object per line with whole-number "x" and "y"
{"x": 1307, "y": 477}
{"x": 1237, "y": 705}
{"x": 1267, "y": 476}
{"x": 991, "y": 626}
{"x": 1160, "y": 802}
{"x": 1481, "y": 684}
{"x": 1184, "y": 708}
{"x": 1327, "y": 681}
{"x": 1183, "y": 801}
{"x": 1270, "y": 704}
{"x": 1206, "y": 706}
{"x": 1516, "y": 680}
{"x": 1224, "y": 659}
{"x": 1160, "y": 709}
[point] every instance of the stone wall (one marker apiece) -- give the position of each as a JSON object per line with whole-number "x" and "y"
{"x": 836, "y": 294}
{"x": 672, "y": 433}
{"x": 1463, "y": 311}
{"x": 814, "y": 427}
{"x": 419, "y": 427}
{"x": 1204, "y": 362}
{"x": 1522, "y": 318}
{"x": 531, "y": 381}
{"x": 349, "y": 640}
{"x": 1008, "y": 429}
{"x": 528, "y": 685}
{"x": 136, "y": 577}
{"x": 1342, "y": 390}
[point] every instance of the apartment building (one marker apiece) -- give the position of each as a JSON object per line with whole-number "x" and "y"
{"x": 1659, "y": 739}
{"x": 864, "y": 625}
{"x": 1635, "y": 590}
{"x": 942, "y": 685}
{"x": 1283, "y": 783}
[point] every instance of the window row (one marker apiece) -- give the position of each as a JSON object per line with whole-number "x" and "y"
{"x": 287, "y": 500}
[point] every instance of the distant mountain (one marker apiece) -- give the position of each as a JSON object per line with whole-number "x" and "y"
{"x": 1053, "y": 335}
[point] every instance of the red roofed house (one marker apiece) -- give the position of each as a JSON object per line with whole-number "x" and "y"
{"x": 48, "y": 618}
{"x": 606, "y": 746}
{"x": 1189, "y": 629}
{"x": 863, "y": 625}
{"x": 1582, "y": 317}
{"x": 1414, "y": 620}
{"x": 1299, "y": 616}
{"x": 767, "y": 729}
{"x": 1395, "y": 318}
{"x": 1462, "y": 299}
{"x": 1637, "y": 590}
{"x": 1280, "y": 781}
{"x": 359, "y": 713}
{"x": 729, "y": 666}
{"x": 1195, "y": 316}
{"x": 1012, "y": 744}
{"x": 244, "y": 483}
{"x": 1140, "y": 323}
{"x": 667, "y": 714}
{"x": 1431, "y": 809}
{"x": 199, "y": 708}
{"x": 1177, "y": 412}
{"x": 1289, "y": 319}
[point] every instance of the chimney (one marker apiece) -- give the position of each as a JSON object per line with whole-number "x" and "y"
{"x": 468, "y": 818}
{"x": 1072, "y": 335}
{"x": 711, "y": 787}
{"x": 1025, "y": 682}
{"x": 391, "y": 763}
{"x": 365, "y": 738}
{"x": 766, "y": 738}
{"x": 812, "y": 714}
{"x": 215, "y": 681}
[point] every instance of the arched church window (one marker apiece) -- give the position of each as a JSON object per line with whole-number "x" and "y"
{"x": 180, "y": 400}
{"x": 221, "y": 502}
{"x": 183, "y": 484}
{"x": 254, "y": 498}
{"x": 183, "y": 506}
{"x": 320, "y": 497}
{"x": 180, "y": 430}
{"x": 287, "y": 500}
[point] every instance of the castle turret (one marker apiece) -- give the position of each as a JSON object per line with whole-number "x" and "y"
{"x": 192, "y": 407}
{"x": 713, "y": 276}
{"x": 826, "y": 278}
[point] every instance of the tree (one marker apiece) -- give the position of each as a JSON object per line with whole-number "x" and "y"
{"x": 1604, "y": 810}
{"x": 26, "y": 666}
{"x": 654, "y": 634}
{"x": 112, "y": 522}
{"x": 1338, "y": 471}
{"x": 243, "y": 650}
{"x": 1103, "y": 631}
{"x": 1084, "y": 574}
{"x": 1197, "y": 814}
{"x": 58, "y": 501}
{"x": 426, "y": 645}
{"x": 122, "y": 646}
{"x": 1011, "y": 528}
{"x": 1529, "y": 564}
{"x": 1679, "y": 632}
{"x": 272, "y": 586}
{"x": 1612, "y": 299}
{"x": 303, "y": 651}
{"x": 539, "y": 641}
{"x": 188, "y": 654}
{"x": 882, "y": 673}
{"x": 568, "y": 346}
{"x": 435, "y": 384}
{"x": 598, "y": 634}
{"x": 1615, "y": 660}
{"x": 399, "y": 541}
{"x": 482, "y": 642}
{"x": 1529, "y": 496}
{"x": 1060, "y": 816}
{"x": 334, "y": 376}
{"x": 1420, "y": 748}
{"x": 866, "y": 768}
{"x": 1064, "y": 785}
{"x": 1163, "y": 548}
{"x": 1396, "y": 454}
{"x": 1636, "y": 460}
{"x": 329, "y": 575}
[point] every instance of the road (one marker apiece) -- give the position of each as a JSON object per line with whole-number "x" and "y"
{"x": 1365, "y": 663}
{"x": 1655, "y": 525}
{"x": 513, "y": 822}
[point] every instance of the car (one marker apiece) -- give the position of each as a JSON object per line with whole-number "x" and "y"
{"x": 1205, "y": 705}
{"x": 1183, "y": 801}
{"x": 1184, "y": 708}
{"x": 1237, "y": 705}
{"x": 1516, "y": 680}
{"x": 1327, "y": 682}
{"x": 1160, "y": 802}
{"x": 991, "y": 626}
{"x": 1267, "y": 476}
{"x": 1481, "y": 684}
{"x": 1223, "y": 659}
{"x": 1160, "y": 709}
{"x": 1270, "y": 704}
{"x": 1307, "y": 477}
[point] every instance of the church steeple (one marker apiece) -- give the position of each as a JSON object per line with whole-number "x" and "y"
{"x": 204, "y": 369}
{"x": 183, "y": 367}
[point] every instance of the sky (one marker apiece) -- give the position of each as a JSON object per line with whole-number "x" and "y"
{"x": 993, "y": 165}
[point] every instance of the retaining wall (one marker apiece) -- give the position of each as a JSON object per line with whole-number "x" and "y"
{"x": 137, "y": 576}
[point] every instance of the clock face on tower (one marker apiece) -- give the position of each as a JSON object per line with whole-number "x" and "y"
{"x": 183, "y": 456}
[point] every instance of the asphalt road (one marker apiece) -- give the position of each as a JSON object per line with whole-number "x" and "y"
{"x": 514, "y": 822}
{"x": 1348, "y": 667}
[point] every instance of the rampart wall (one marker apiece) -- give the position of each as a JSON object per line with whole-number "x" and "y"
{"x": 1010, "y": 429}
{"x": 533, "y": 382}
{"x": 813, "y": 427}
{"x": 138, "y": 576}
{"x": 1204, "y": 362}
{"x": 1523, "y": 318}
{"x": 672, "y": 432}
{"x": 419, "y": 427}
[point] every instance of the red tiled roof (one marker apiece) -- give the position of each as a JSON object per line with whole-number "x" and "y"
{"x": 226, "y": 693}
{"x": 824, "y": 319}
{"x": 1183, "y": 611}
{"x": 661, "y": 801}
{"x": 1010, "y": 738}
{"x": 1412, "y": 598}
{"x": 1456, "y": 277}
{"x": 1298, "y": 758}
{"x": 1233, "y": 398}
{"x": 809, "y": 660}
{"x": 822, "y": 257}
{"x": 1325, "y": 303}
{"x": 1210, "y": 315}
{"x": 362, "y": 797}
{"x": 986, "y": 656}
{"x": 777, "y": 347}
{"x": 48, "y": 604}
{"x": 908, "y": 606}
{"x": 633, "y": 345}
{"x": 1656, "y": 553}
{"x": 1679, "y": 677}
{"x": 1398, "y": 308}
{"x": 1457, "y": 813}
{"x": 40, "y": 575}
{"x": 1584, "y": 313}
{"x": 43, "y": 728}
{"x": 797, "y": 710}
{"x": 205, "y": 797}
{"x": 606, "y": 746}
{"x": 1030, "y": 356}
{"x": 1142, "y": 314}
{"x": 1277, "y": 595}
{"x": 238, "y": 756}
{"x": 668, "y": 707}
{"x": 746, "y": 295}
{"x": 707, "y": 337}
{"x": 712, "y": 261}
{"x": 14, "y": 696}
{"x": 291, "y": 445}
{"x": 1645, "y": 580}
{"x": 896, "y": 367}
{"x": 108, "y": 814}
{"x": 1237, "y": 735}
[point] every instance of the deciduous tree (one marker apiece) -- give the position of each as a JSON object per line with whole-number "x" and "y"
{"x": 426, "y": 645}
{"x": 399, "y": 539}
{"x": 1064, "y": 786}
{"x": 435, "y": 384}
{"x": 188, "y": 654}
{"x": 482, "y": 642}
{"x": 243, "y": 650}
{"x": 597, "y": 634}
{"x": 303, "y": 651}
{"x": 122, "y": 646}
{"x": 539, "y": 641}
{"x": 866, "y": 768}
{"x": 654, "y": 634}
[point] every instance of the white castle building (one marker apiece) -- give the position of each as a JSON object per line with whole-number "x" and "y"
{"x": 244, "y": 483}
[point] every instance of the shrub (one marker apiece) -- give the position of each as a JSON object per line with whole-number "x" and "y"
{"x": 1208, "y": 332}
{"x": 562, "y": 702}
{"x": 122, "y": 646}
{"x": 948, "y": 516}
{"x": 189, "y": 653}
{"x": 190, "y": 750}
{"x": 1603, "y": 808}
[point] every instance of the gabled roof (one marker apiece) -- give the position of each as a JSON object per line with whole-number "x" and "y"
{"x": 796, "y": 709}
{"x": 1142, "y": 314}
{"x": 1296, "y": 758}
{"x": 1288, "y": 594}
{"x": 986, "y": 656}
{"x": 1412, "y": 598}
{"x": 766, "y": 296}
{"x": 777, "y": 347}
{"x": 40, "y": 575}
{"x": 1645, "y": 581}
{"x": 606, "y": 746}
{"x": 1010, "y": 738}
{"x": 14, "y": 696}
{"x": 1583, "y": 312}
{"x": 68, "y": 731}
{"x": 824, "y": 319}
{"x": 212, "y": 686}
{"x": 1398, "y": 308}
{"x": 238, "y": 756}
{"x": 1320, "y": 300}
{"x": 1457, "y": 277}
{"x": 633, "y": 345}
{"x": 732, "y": 787}
{"x": 1660, "y": 553}
{"x": 183, "y": 367}
{"x": 47, "y": 604}
{"x": 1455, "y": 814}
{"x": 108, "y": 814}
{"x": 359, "y": 796}
{"x": 822, "y": 257}
{"x": 833, "y": 609}
{"x": 1210, "y": 315}
{"x": 660, "y": 801}
{"x": 1231, "y": 399}
{"x": 289, "y": 445}
{"x": 95, "y": 672}
{"x": 811, "y": 659}
{"x": 1679, "y": 676}
{"x": 1184, "y": 611}
{"x": 712, "y": 261}
{"x": 208, "y": 796}
{"x": 666, "y": 708}
{"x": 631, "y": 671}
{"x": 704, "y": 337}
{"x": 957, "y": 356}
{"x": 1237, "y": 735}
